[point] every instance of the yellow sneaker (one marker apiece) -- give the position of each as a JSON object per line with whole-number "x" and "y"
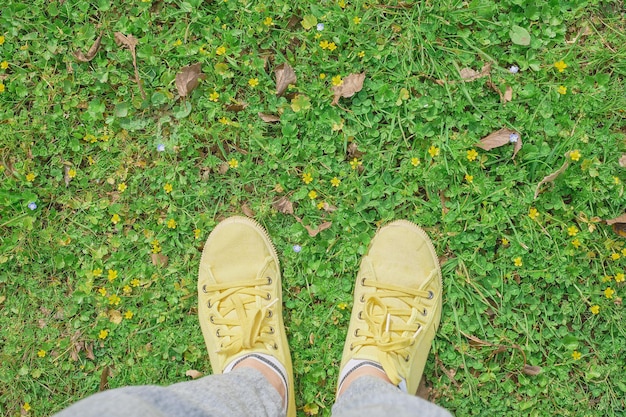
{"x": 397, "y": 305}
{"x": 240, "y": 299}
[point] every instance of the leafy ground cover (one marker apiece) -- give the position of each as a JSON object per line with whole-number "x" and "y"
{"x": 129, "y": 129}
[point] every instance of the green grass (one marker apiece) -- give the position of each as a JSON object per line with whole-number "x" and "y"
{"x": 59, "y": 116}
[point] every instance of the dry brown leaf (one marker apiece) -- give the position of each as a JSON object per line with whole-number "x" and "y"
{"x": 622, "y": 161}
{"x": 508, "y": 94}
{"x": 131, "y": 43}
{"x": 269, "y": 118}
{"x": 223, "y": 168}
{"x": 247, "y": 210}
{"x": 104, "y": 379}
{"x": 351, "y": 85}
{"x": 285, "y": 75}
{"x": 353, "y": 151}
{"x": 531, "y": 370}
{"x": 89, "y": 350}
{"x": 114, "y": 316}
{"x": 283, "y": 205}
{"x": 551, "y": 177}
{"x": 158, "y": 259}
{"x": 500, "y": 138}
{"x": 193, "y": 374}
{"x": 619, "y": 225}
{"x": 468, "y": 74}
{"x": 91, "y": 53}
{"x": 314, "y": 232}
{"x": 237, "y": 107}
{"x": 328, "y": 208}
{"x": 188, "y": 78}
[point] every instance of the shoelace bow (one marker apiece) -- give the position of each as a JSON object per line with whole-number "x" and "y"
{"x": 392, "y": 339}
{"x": 248, "y": 328}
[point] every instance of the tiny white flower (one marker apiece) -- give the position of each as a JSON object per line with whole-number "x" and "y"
{"x": 320, "y": 26}
{"x": 32, "y": 205}
{"x": 297, "y": 248}
{"x": 513, "y": 137}
{"x": 514, "y": 69}
{"x": 160, "y": 147}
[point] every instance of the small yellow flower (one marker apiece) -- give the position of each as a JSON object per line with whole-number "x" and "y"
{"x": 324, "y": 44}
{"x": 560, "y": 65}
{"x": 41, "y": 353}
{"x": 197, "y": 233}
{"x": 356, "y": 20}
{"x": 103, "y": 334}
{"x": 576, "y": 355}
{"x": 576, "y": 243}
{"x": 332, "y": 46}
{"x": 112, "y": 275}
{"x": 337, "y": 81}
{"x": 607, "y": 278}
{"x": 178, "y": 42}
{"x": 312, "y": 194}
{"x": 103, "y": 291}
{"x": 574, "y": 155}
{"x": 128, "y": 315}
{"x": 122, "y": 187}
{"x": 30, "y": 177}
{"x": 504, "y": 241}
{"x": 97, "y": 272}
{"x": 608, "y": 292}
{"x": 224, "y": 120}
{"x": 320, "y": 205}
{"x": 619, "y": 277}
{"x": 415, "y": 161}
{"x": 4, "y": 65}
{"x": 533, "y": 213}
{"x": 562, "y": 89}
{"x": 127, "y": 289}
{"x": 168, "y": 187}
{"x": 26, "y": 406}
{"x": 90, "y": 160}
{"x": 616, "y": 180}
{"x": 268, "y": 21}
{"x": 595, "y": 309}
{"x": 2, "y": 88}
{"x": 433, "y": 151}
{"x": 114, "y": 300}
{"x": 469, "y": 178}
{"x": 361, "y": 54}
{"x": 342, "y": 306}
{"x": 71, "y": 173}
{"x": 307, "y": 178}
{"x": 322, "y": 76}
{"x": 214, "y": 96}
{"x": 354, "y": 164}
{"x": 253, "y": 82}
{"x": 233, "y": 163}
{"x": 472, "y": 155}
{"x": 615, "y": 256}
{"x": 518, "y": 261}
{"x": 1, "y": 39}
{"x": 90, "y": 138}
{"x": 220, "y": 50}
{"x": 156, "y": 248}
{"x": 335, "y": 182}
{"x": 115, "y": 218}
{"x": 171, "y": 224}
{"x": 342, "y": 4}
{"x": 572, "y": 231}
{"x": 135, "y": 282}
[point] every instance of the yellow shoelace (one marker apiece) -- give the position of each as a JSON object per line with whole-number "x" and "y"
{"x": 392, "y": 338}
{"x": 248, "y": 327}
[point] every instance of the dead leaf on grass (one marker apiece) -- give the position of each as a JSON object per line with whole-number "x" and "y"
{"x": 269, "y": 118}
{"x": 114, "y": 316}
{"x": 619, "y": 225}
{"x": 500, "y": 138}
{"x": 158, "y": 259}
{"x": 622, "y": 161}
{"x": 551, "y": 177}
{"x": 247, "y": 210}
{"x": 91, "y": 53}
{"x": 351, "y": 85}
{"x": 468, "y": 74}
{"x": 223, "y": 168}
{"x": 188, "y": 78}
{"x": 285, "y": 75}
{"x": 508, "y": 94}
{"x": 66, "y": 174}
{"x": 131, "y": 43}
{"x": 193, "y": 374}
{"x": 531, "y": 370}
{"x": 353, "y": 151}
{"x": 104, "y": 379}
{"x": 283, "y": 205}
{"x": 314, "y": 231}
{"x": 237, "y": 106}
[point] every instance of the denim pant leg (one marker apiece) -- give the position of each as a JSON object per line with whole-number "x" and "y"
{"x": 243, "y": 392}
{"x": 373, "y": 397}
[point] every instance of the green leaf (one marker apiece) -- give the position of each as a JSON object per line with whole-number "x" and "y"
{"x": 519, "y": 35}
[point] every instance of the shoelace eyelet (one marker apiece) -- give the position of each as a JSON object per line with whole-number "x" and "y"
{"x": 269, "y": 314}
{"x": 217, "y": 333}
{"x": 211, "y": 319}
{"x": 208, "y": 303}
{"x": 424, "y": 313}
{"x": 268, "y": 296}
{"x": 360, "y": 315}
{"x": 356, "y": 333}
{"x": 431, "y": 295}
{"x": 362, "y": 299}
{"x": 269, "y": 280}
{"x": 407, "y": 358}
{"x": 363, "y": 281}
{"x": 271, "y": 330}
{"x": 351, "y": 346}
{"x": 204, "y": 288}
{"x": 275, "y": 346}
